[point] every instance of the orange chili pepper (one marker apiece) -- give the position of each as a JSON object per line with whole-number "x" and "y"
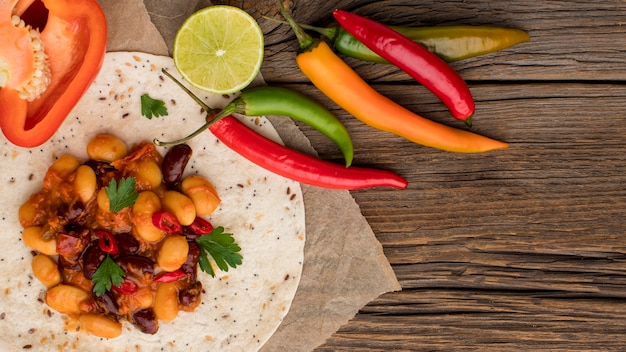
{"x": 346, "y": 88}
{"x": 44, "y": 74}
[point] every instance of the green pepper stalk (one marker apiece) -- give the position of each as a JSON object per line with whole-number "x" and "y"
{"x": 450, "y": 43}
{"x": 261, "y": 101}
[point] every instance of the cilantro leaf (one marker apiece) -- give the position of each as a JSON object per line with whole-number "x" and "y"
{"x": 107, "y": 274}
{"x": 122, "y": 195}
{"x": 152, "y": 107}
{"x": 222, "y": 249}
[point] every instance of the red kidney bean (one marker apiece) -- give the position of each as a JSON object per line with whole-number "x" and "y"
{"x": 69, "y": 263}
{"x": 145, "y": 321}
{"x": 92, "y": 257}
{"x": 107, "y": 303}
{"x": 127, "y": 244}
{"x": 71, "y": 213}
{"x": 190, "y": 295}
{"x": 174, "y": 163}
{"x": 190, "y": 266}
{"x": 136, "y": 265}
{"x": 101, "y": 168}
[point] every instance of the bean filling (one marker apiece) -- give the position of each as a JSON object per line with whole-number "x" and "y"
{"x": 70, "y": 225}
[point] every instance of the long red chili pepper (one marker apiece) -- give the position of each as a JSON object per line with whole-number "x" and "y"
{"x": 298, "y": 166}
{"x": 425, "y": 67}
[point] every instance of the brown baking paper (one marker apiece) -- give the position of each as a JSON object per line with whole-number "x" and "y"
{"x": 344, "y": 265}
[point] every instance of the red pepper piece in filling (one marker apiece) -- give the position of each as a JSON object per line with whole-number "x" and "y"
{"x": 170, "y": 276}
{"x": 201, "y": 226}
{"x": 45, "y": 72}
{"x": 425, "y": 67}
{"x": 107, "y": 242}
{"x": 166, "y": 222}
{"x": 126, "y": 288}
{"x": 197, "y": 228}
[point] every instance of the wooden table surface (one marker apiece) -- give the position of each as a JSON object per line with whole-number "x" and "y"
{"x": 516, "y": 249}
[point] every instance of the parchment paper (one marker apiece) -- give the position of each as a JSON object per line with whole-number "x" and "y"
{"x": 344, "y": 266}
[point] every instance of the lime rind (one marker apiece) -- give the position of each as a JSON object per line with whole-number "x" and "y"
{"x": 219, "y": 49}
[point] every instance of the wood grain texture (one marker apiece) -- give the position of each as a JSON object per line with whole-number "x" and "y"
{"x": 521, "y": 249}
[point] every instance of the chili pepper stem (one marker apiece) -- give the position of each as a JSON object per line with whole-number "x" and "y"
{"x": 304, "y": 40}
{"x": 328, "y": 32}
{"x": 186, "y": 90}
{"x": 229, "y": 109}
{"x": 210, "y": 121}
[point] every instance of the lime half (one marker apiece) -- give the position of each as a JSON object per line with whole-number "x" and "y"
{"x": 219, "y": 49}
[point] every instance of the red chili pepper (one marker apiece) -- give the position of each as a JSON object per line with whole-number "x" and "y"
{"x": 166, "y": 222}
{"x": 107, "y": 242}
{"x": 425, "y": 67}
{"x": 201, "y": 226}
{"x": 170, "y": 276}
{"x": 298, "y": 166}
{"x": 126, "y": 288}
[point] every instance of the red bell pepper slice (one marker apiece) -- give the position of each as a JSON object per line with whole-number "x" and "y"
{"x": 74, "y": 39}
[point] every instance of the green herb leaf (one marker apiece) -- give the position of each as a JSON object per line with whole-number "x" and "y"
{"x": 152, "y": 107}
{"x": 108, "y": 274}
{"x": 122, "y": 195}
{"x": 222, "y": 249}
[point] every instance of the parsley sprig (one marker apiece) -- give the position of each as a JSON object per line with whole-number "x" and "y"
{"x": 221, "y": 247}
{"x": 107, "y": 274}
{"x": 152, "y": 107}
{"x": 121, "y": 195}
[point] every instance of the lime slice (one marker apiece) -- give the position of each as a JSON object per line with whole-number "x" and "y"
{"x": 219, "y": 49}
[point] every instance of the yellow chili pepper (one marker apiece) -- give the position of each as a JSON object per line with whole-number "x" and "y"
{"x": 333, "y": 77}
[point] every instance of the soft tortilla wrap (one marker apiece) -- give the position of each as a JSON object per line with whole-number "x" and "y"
{"x": 242, "y": 307}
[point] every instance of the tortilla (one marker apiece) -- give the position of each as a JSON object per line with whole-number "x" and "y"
{"x": 241, "y": 308}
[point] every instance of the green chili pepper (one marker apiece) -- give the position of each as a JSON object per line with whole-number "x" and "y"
{"x": 261, "y": 101}
{"x": 451, "y": 43}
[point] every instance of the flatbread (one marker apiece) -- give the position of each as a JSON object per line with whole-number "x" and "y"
{"x": 241, "y": 308}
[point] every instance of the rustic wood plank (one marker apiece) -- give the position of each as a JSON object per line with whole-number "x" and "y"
{"x": 445, "y": 320}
